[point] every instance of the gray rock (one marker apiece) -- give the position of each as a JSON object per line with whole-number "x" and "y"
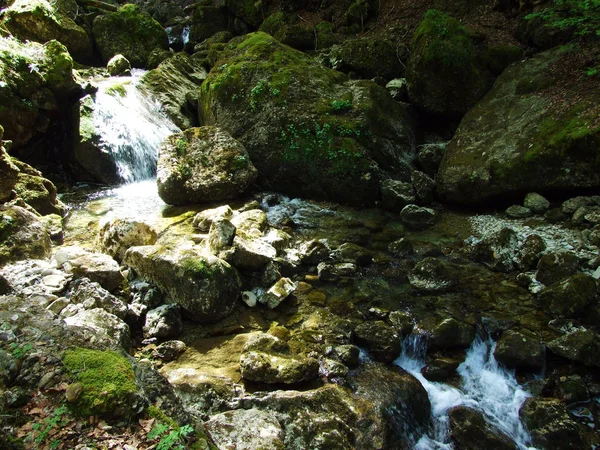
{"x": 273, "y": 369}
{"x": 530, "y": 252}
{"x": 418, "y": 217}
{"x": 449, "y": 333}
{"x": 573, "y": 204}
{"x": 518, "y": 212}
{"x": 518, "y": 351}
{"x": 118, "y": 65}
{"x": 251, "y": 255}
{"x": 23, "y": 235}
{"x": 97, "y": 324}
{"x": 313, "y": 252}
{"x": 92, "y": 295}
{"x": 204, "y": 219}
{"x": 348, "y": 355}
{"x": 99, "y": 268}
{"x": 382, "y": 340}
{"x": 352, "y": 253}
{"x": 117, "y": 235}
{"x": 395, "y": 194}
{"x": 432, "y": 276}
{"x": 401, "y": 248}
{"x": 470, "y": 431}
{"x": 278, "y": 293}
{"x": 163, "y": 322}
{"x": 498, "y": 250}
{"x": 332, "y": 272}
{"x": 202, "y": 165}
{"x": 220, "y": 236}
{"x": 569, "y": 298}
{"x": 169, "y": 350}
{"x": 429, "y": 157}
{"x": 424, "y": 187}
{"x": 579, "y": 345}
{"x": 536, "y": 203}
{"x": 556, "y": 266}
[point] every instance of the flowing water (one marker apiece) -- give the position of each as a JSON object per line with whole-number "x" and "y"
{"x": 132, "y": 126}
{"x": 485, "y": 386}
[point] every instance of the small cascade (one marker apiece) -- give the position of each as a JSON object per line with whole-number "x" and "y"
{"x": 485, "y": 386}
{"x": 131, "y": 126}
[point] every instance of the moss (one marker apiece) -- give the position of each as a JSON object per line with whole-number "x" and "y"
{"x": 107, "y": 379}
{"x": 59, "y": 69}
{"x": 325, "y": 37}
{"x": 156, "y": 413}
{"x": 499, "y": 57}
{"x": 195, "y": 267}
{"x": 181, "y": 147}
{"x": 6, "y": 227}
{"x": 116, "y": 90}
{"x": 274, "y": 23}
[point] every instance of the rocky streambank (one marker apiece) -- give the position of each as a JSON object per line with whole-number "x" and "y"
{"x": 298, "y": 275}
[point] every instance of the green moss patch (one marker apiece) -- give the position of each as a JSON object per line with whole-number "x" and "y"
{"x": 107, "y": 379}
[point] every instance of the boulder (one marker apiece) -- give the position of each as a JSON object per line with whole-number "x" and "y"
{"x": 130, "y": 32}
{"x": 353, "y": 253}
{"x": 518, "y": 351}
{"x": 470, "y": 431}
{"x": 556, "y": 266}
{"x": 517, "y": 139}
{"x": 518, "y": 212}
{"x": 313, "y": 252}
{"x": 550, "y": 425}
{"x": 98, "y": 267}
{"x": 274, "y": 369}
{"x": 569, "y": 298}
{"x": 23, "y": 235}
{"x": 580, "y": 345}
{"x": 10, "y": 173}
{"x": 205, "y": 286}
{"x": 448, "y": 333}
{"x": 117, "y": 235}
{"x": 171, "y": 84}
{"x": 278, "y": 293}
{"x": 92, "y": 295}
{"x": 446, "y": 71}
{"x": 395, "y": 194}
{"x": 424, "y": 187}
{"x": 498, "y": 250}
{"x": 330, "y": 138}
{"x": 42, "y": 21}
{"x": 204, "y": 219}
{"x": 251, "y": 255}
{"x": 37, "y": 191}
{"x": 332, "y": 272}
{"x": 368, "y": 57}
{"x": 163, "y": 322}
{"x": 431, "y": 276}
{"x": 382, "y": 340}
{"x": 118, "y": 65}
{"x": 530, "y": 252}
{"x": 220, "y": 236}
{"x": 418, "y": 217}
{"x": 246, "y": 430}
{"x": 429, "y": 157}
{"x": 203, "y": 165}
{"x": 96, "y": 324}
{"x": 536, "y": 203}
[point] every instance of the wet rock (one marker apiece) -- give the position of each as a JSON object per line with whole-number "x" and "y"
{"x": 432, "y": 276}
{"x": 246, "y": 430}
{"x": 536, "y": 203}
{"x": 398, "y": 89}
{"x": 449, "y": 333}
{"x": 569, "y": 298}
{"x": 96, "y": 324}
{"x": 418, "y": 217}
{"x": 518, "y": 212}
{"x": 348, "y": 355}
{"x": 117, "y": 235}
{"x": 203, "y": 165}
{"x": 99, "y": 268}
{"x": 332, "y": 272}
{"x": 118, "y": 65}
{"x": 572, "y": 389}
{"x": 579, "y": 345}
{"x": 401, "y": 248}
{"x": 313, "y": 252}
{"x": 382, "y": 340}
{"x": 169, "y": 350}
{"x": 549, "y": 424}
{"x": 518, "y": 351}
{"x": 249, "y": 298}
{"x": 205, "y": 286}
{"x": 220, "y": 236}
{"x": 10, "y": 173}
{"x": 130, "y": 32}
{"x": 403, "y": 321}
{"x": 470, "y": 431}
{"x": 424, "y": 187}
{"x": 274, "y": 368}
{"x": 530, "y": 252}
{"x": 352, "y": 253}
{"x": 42, "y": 21}
{"x": 22, "y": 235}
{"x": 369, "y": 57}
{"x": 251, "y": 223}
{"x": 92, "y": 295}
{"x": 569, "y": 207}
{"x": 429, "y": 157}
{"x": 278, "y": 293}
{"x": 163, "y": 322}
{"x": 395, "y": 194}
{"x": 440, "y": 369}
{"x": 556, "y": 266}
{"x": 251, "y": 255}
{"x": 498, "y": 250}
{"x": 204, "y": 219}
{"x": 37, "y": 191}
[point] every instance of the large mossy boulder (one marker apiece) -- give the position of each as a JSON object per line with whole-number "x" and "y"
{"x": 42, "y": 21}
{"x": 202, "y": 165}
{"x": 37, "y": 191}
{"x": 309, "y": 130}
{"x": 527, "y": 134}
{"x": 130, "y": 32}
{"x": 367, "y": 57}
{"x": 446, "y": 72}
{"x": 9, "y": 171}
{"x": 34, "y": 78}
{"x": 205, "y": 286}
{"x": 22, "y": 235}
{"x": 171, "y": 84}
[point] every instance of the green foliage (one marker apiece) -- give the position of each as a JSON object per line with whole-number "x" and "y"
{"x": 583, "y": 16}
{"x": 170, "y": 438}
{"x": 181, "y": 147}
{"x": 256, "y": 93}
{"x": 117, "y": 90}
{"x": 592, "y": 71}
{"x": 184, "y": 170}
{"x": 239, "y": 162}
{"x": 41, "y": 431}
{"x": 107, "y": 379}
{"x": 20, "y": 349}
{"x": 341, "y": 105}
{"x": 195, "y": 267}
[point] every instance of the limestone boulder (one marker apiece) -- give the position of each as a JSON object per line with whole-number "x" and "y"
{"x": 130, "y": 32}
{"x": 118, "y": 65}
{"x": 580, "y": 345}
{"x": 368, "y": 57}
{"x": 99, "y": 268}
{"x": 382, "y": 340}
{"x": 117, "y": 235}
{"x": 91, "y": 295}
{"x": 203, "y": 165}
{"x": 470, "y": 431}
{"x": 23, "y": 235}
{"x": 310, "y": 131}
{"x": 163, "y": 322}
{"x": 96, "y": 324}
{"x": 571, "y": 297}
{"x": 518, "y": 351}
{"x": 206, "y": 287}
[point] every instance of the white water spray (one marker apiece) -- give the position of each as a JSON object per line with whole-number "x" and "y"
{"x": 132, "y": 126}
{"x": 485, "y": 386}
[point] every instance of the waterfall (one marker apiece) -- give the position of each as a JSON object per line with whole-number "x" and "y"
{"x": 485, "y": 386}
{"x": 131, "y": 126}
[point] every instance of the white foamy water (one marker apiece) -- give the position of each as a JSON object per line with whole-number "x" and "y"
{"x": 132, "y": 126}
{"x": 485, "y": 386}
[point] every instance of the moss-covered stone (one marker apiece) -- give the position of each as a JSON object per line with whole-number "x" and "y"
{"x": 130, "y": 32}
{"x": 519, "y": 139}
{"x": 108, "y": 382}
{"x": 283, "y": 106}
{"x": 446, "y": 72}
{"x": 42, "y": 21}
{"x": 22, "y": 235}
{"x": 37, "y": 191}
{"x": 368, "y": 57}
